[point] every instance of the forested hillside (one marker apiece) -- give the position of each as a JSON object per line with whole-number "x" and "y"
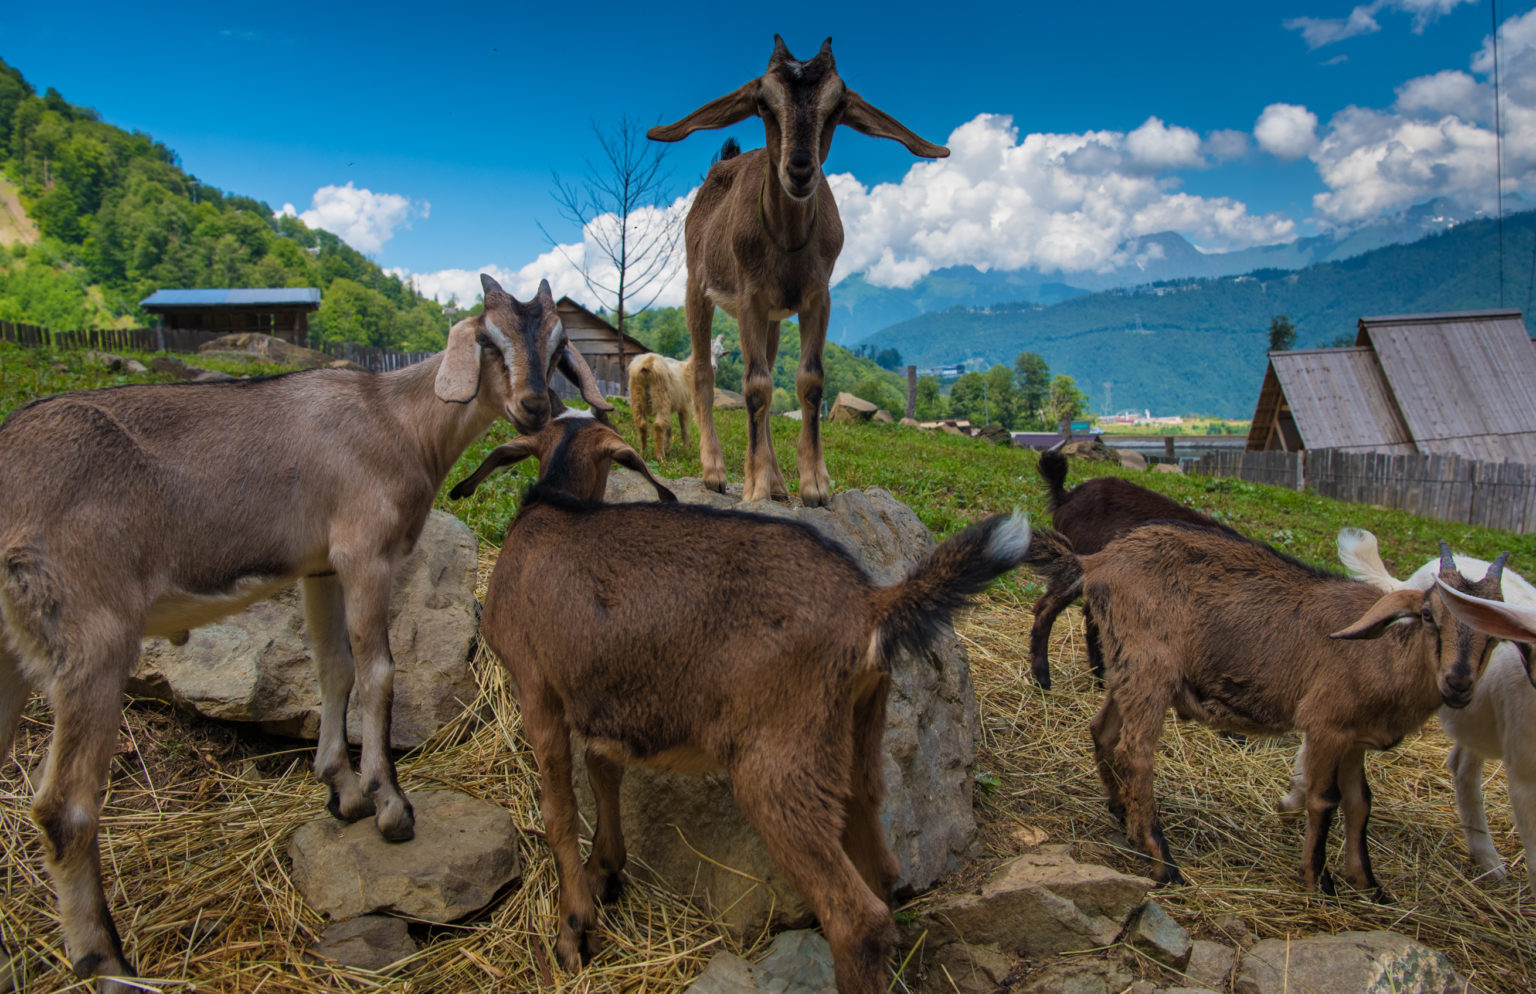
{"x": 1198, "y": 345}
{"x": 117, "y": 218}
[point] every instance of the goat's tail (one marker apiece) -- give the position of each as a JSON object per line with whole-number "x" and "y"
{"x": 909, "y": 613}
{"x": 1053, "y": 470}
{"x": 1361, "y": 556}
{"x": 1051, "y": 555}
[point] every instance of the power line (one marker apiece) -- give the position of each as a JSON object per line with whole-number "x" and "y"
{"x": 1498, "y": 146}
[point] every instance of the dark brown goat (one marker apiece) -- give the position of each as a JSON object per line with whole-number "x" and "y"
{"x": 758, "y": 646}
{"x": 1231, "y": 633}
{"x": 1091, "y": 515}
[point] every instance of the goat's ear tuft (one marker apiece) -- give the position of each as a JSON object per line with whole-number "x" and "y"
{"x": 865, "y": 118}
{"x": 1396, "y": 606}
{"x": 719, "y": 113}
{"x": 458, "y": 372}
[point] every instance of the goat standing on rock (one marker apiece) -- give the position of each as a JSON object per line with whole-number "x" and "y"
{"x": 762, "y": 237}
{"x": 1229, "y": 632}
{"x": 216, "y": 496}
{"x": 759, "y": 646}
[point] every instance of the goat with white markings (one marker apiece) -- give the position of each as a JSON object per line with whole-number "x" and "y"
{"x": 1499, "y": 724}
{"x": 660, "y": 387}
{"x": 759, "y": 646}
{"x": 762, "y": 237}
{"x": 217, "y": 495}
{"x": 1231, "y": 633}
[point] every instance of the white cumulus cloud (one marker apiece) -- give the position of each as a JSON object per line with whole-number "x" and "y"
{"x": 363, "y": 219}
{"x": 1286, "y": 131}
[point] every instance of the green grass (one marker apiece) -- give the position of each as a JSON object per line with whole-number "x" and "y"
{"x": 947, "y": 480}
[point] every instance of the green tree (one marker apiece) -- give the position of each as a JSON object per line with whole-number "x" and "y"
{"x": 967, "y": 400}
{"x": 1282, "y": 334}
{"x": 888, "y": 359}
{"x": 930, "y": 399}
{"x": 1067, "y": 402}
{"x": 1002, "y": 398}
{"x": 1032, "y": 379}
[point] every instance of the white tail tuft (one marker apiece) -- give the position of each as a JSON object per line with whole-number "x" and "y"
{"x": 1010, "y": 542}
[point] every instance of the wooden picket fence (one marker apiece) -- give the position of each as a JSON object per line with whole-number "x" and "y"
{"x": 1444, "y": 487}
{"x": 185, "y": 340}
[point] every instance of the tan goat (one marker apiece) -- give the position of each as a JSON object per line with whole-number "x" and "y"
{"x": 762, "y": 236}
{"x": 660, "y": 387}
{"x": 757, "y": 646}
{"x": 150, "y": 510}
{"x": 1230, "y": 633}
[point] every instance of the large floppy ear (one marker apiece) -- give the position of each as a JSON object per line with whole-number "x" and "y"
{"x": 576, "y": 370}
{"x": 865, "y": 118}
{"x": 1501, "y": 620}
{"x": 458, "y": 375}
{"x": 719, "y": 113}
{"x": 509, "y": 454}
{"x": 1395, "y": 606}
{"x": 620, "y": 452}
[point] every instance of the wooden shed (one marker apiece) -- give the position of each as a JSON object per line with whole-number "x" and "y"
{"x": 279, "y": 311}
{"x": 607, "y": 352}
{"x": 1456, "y": 383}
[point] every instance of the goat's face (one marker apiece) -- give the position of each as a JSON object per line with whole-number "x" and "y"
{"x": 801, "y": 104}
{"x": 512, "y": 350}
{"x": 1458, "y": 651}
{"x": 1506, "y": 621}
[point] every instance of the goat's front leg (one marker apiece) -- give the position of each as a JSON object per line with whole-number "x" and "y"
{"x": 87, "y": 705}
{"x": 367, "y": 589}
{"x": 1520, "y": 773}
{"x": 605, "y": 865}
{"x": 815, "y": 484}
{"x": 700, "y": 311}
{"x": 545, "y": 726}
{"x": 1466, "y": 768}
{"x": 325, "y": 625}
{"x": 1296, "y": 800}
{"x": 1355, "y": 794}
{"x": 1047, "y": 608}
{"x": 1322, "y": 777}
{"x": 759, "y": 345}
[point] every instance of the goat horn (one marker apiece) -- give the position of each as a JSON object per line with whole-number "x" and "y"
{"x": 1447, "y": 561}
{"x": 1496, "y": 568}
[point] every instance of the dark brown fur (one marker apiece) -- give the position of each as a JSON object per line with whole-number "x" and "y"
{"x": 1090, "y": 516}
{"x": 757, "y": 646}
{"x": 1230, "y": 633}
{"x": 762, "y": 237}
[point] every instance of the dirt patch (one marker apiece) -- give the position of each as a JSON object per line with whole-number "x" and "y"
{"x": 15, "y": 226}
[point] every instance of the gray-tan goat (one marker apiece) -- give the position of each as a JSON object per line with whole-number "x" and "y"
{"x": 757, "y": 646}
{"x": 1231, "y": 633}
{"x": 150, "y": 510}
{"x": 762, "y": 237}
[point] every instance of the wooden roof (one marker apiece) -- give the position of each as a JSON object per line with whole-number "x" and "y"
{"x": 591, "y": 334}
{"x": 1456, "y": 383}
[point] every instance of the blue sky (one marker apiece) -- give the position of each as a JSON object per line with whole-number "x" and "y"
{"x": 427, "y": 136}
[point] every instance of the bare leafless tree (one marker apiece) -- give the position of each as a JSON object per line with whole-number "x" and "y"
{"x": 621, "y": 204}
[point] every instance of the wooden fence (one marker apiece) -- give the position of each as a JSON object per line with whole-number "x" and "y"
{"x": 186, "y": 341}
{"x": 1444, "y": 487}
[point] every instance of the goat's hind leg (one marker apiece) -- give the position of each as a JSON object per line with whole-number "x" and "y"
{"x": 863, "y": 833}
{"x": 545, "y": 726}
{"x": 605, "y": 866}
{"x": 1048, "y": 608}
{"x": 86, "y": 693}
{"x": 15, "y": 689}
{"x": 759, "y": 345}
{"x": 810, "y": 381}
{"x": 1323, "y": 794}
{"x": 325, "y": 624}
{"x": 700, "y": 312}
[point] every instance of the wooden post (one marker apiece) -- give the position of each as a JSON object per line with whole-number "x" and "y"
{"x": 1168, "y": 449}
{"x": 912, "y": 392}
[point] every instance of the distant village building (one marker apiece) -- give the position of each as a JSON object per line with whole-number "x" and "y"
{"x": 608, "y": 354}
{"x": 280, "y": 311}
{"x": 1452, "y": 384}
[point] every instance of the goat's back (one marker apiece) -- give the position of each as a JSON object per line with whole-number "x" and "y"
{"x": 1097, "y": 511}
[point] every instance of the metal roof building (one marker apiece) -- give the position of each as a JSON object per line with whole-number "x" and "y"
{"x": 1457, "y": 383}
{"x": 280, "y": 311}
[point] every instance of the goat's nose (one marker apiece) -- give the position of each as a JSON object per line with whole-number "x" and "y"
{"x": 534, "y": 407}
{"x": 800, "y": 160}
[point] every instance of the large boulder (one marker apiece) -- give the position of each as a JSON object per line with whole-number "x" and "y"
{"x": 254, "y": 666}
{"x": 1376, "y": 962}
{"x": 464, "y": 852}
{"x": 996, "y": 434}
{"x": 688, "y": 828}
{"x": 851, "y": 409}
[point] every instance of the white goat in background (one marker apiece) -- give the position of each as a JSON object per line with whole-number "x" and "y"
{"x": 1499, "y": 724}
{"x": 660, "y": 387}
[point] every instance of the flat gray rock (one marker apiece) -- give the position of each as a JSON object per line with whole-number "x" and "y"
{"x": 255, "y": 666}
{"x": 372, "y": 942}
{"x": 464, "y": 852}
{"x": 1377, "y": 962}
{"x": 1160, "y": 937}
{"x": 798, "y": 962}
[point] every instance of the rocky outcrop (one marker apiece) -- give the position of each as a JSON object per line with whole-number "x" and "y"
{"x": 996, "y": 434}
{"x": 688, "y": 828}
{"x": 1348, "y": 963}
{"x": 255, "y": 667}
{"x": 464, "y": 852}
{"x": 267, "y": 347}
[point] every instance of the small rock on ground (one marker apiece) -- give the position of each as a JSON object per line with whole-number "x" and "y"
{"x": 798, "y": 962}
{"x": 372, "y": 942}
{"x": 1376, "y": 962}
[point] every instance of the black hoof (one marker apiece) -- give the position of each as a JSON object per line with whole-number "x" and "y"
{"x": 613, "y": 888}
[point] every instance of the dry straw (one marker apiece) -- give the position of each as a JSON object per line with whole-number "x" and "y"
{"x": 198, "y": 818}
